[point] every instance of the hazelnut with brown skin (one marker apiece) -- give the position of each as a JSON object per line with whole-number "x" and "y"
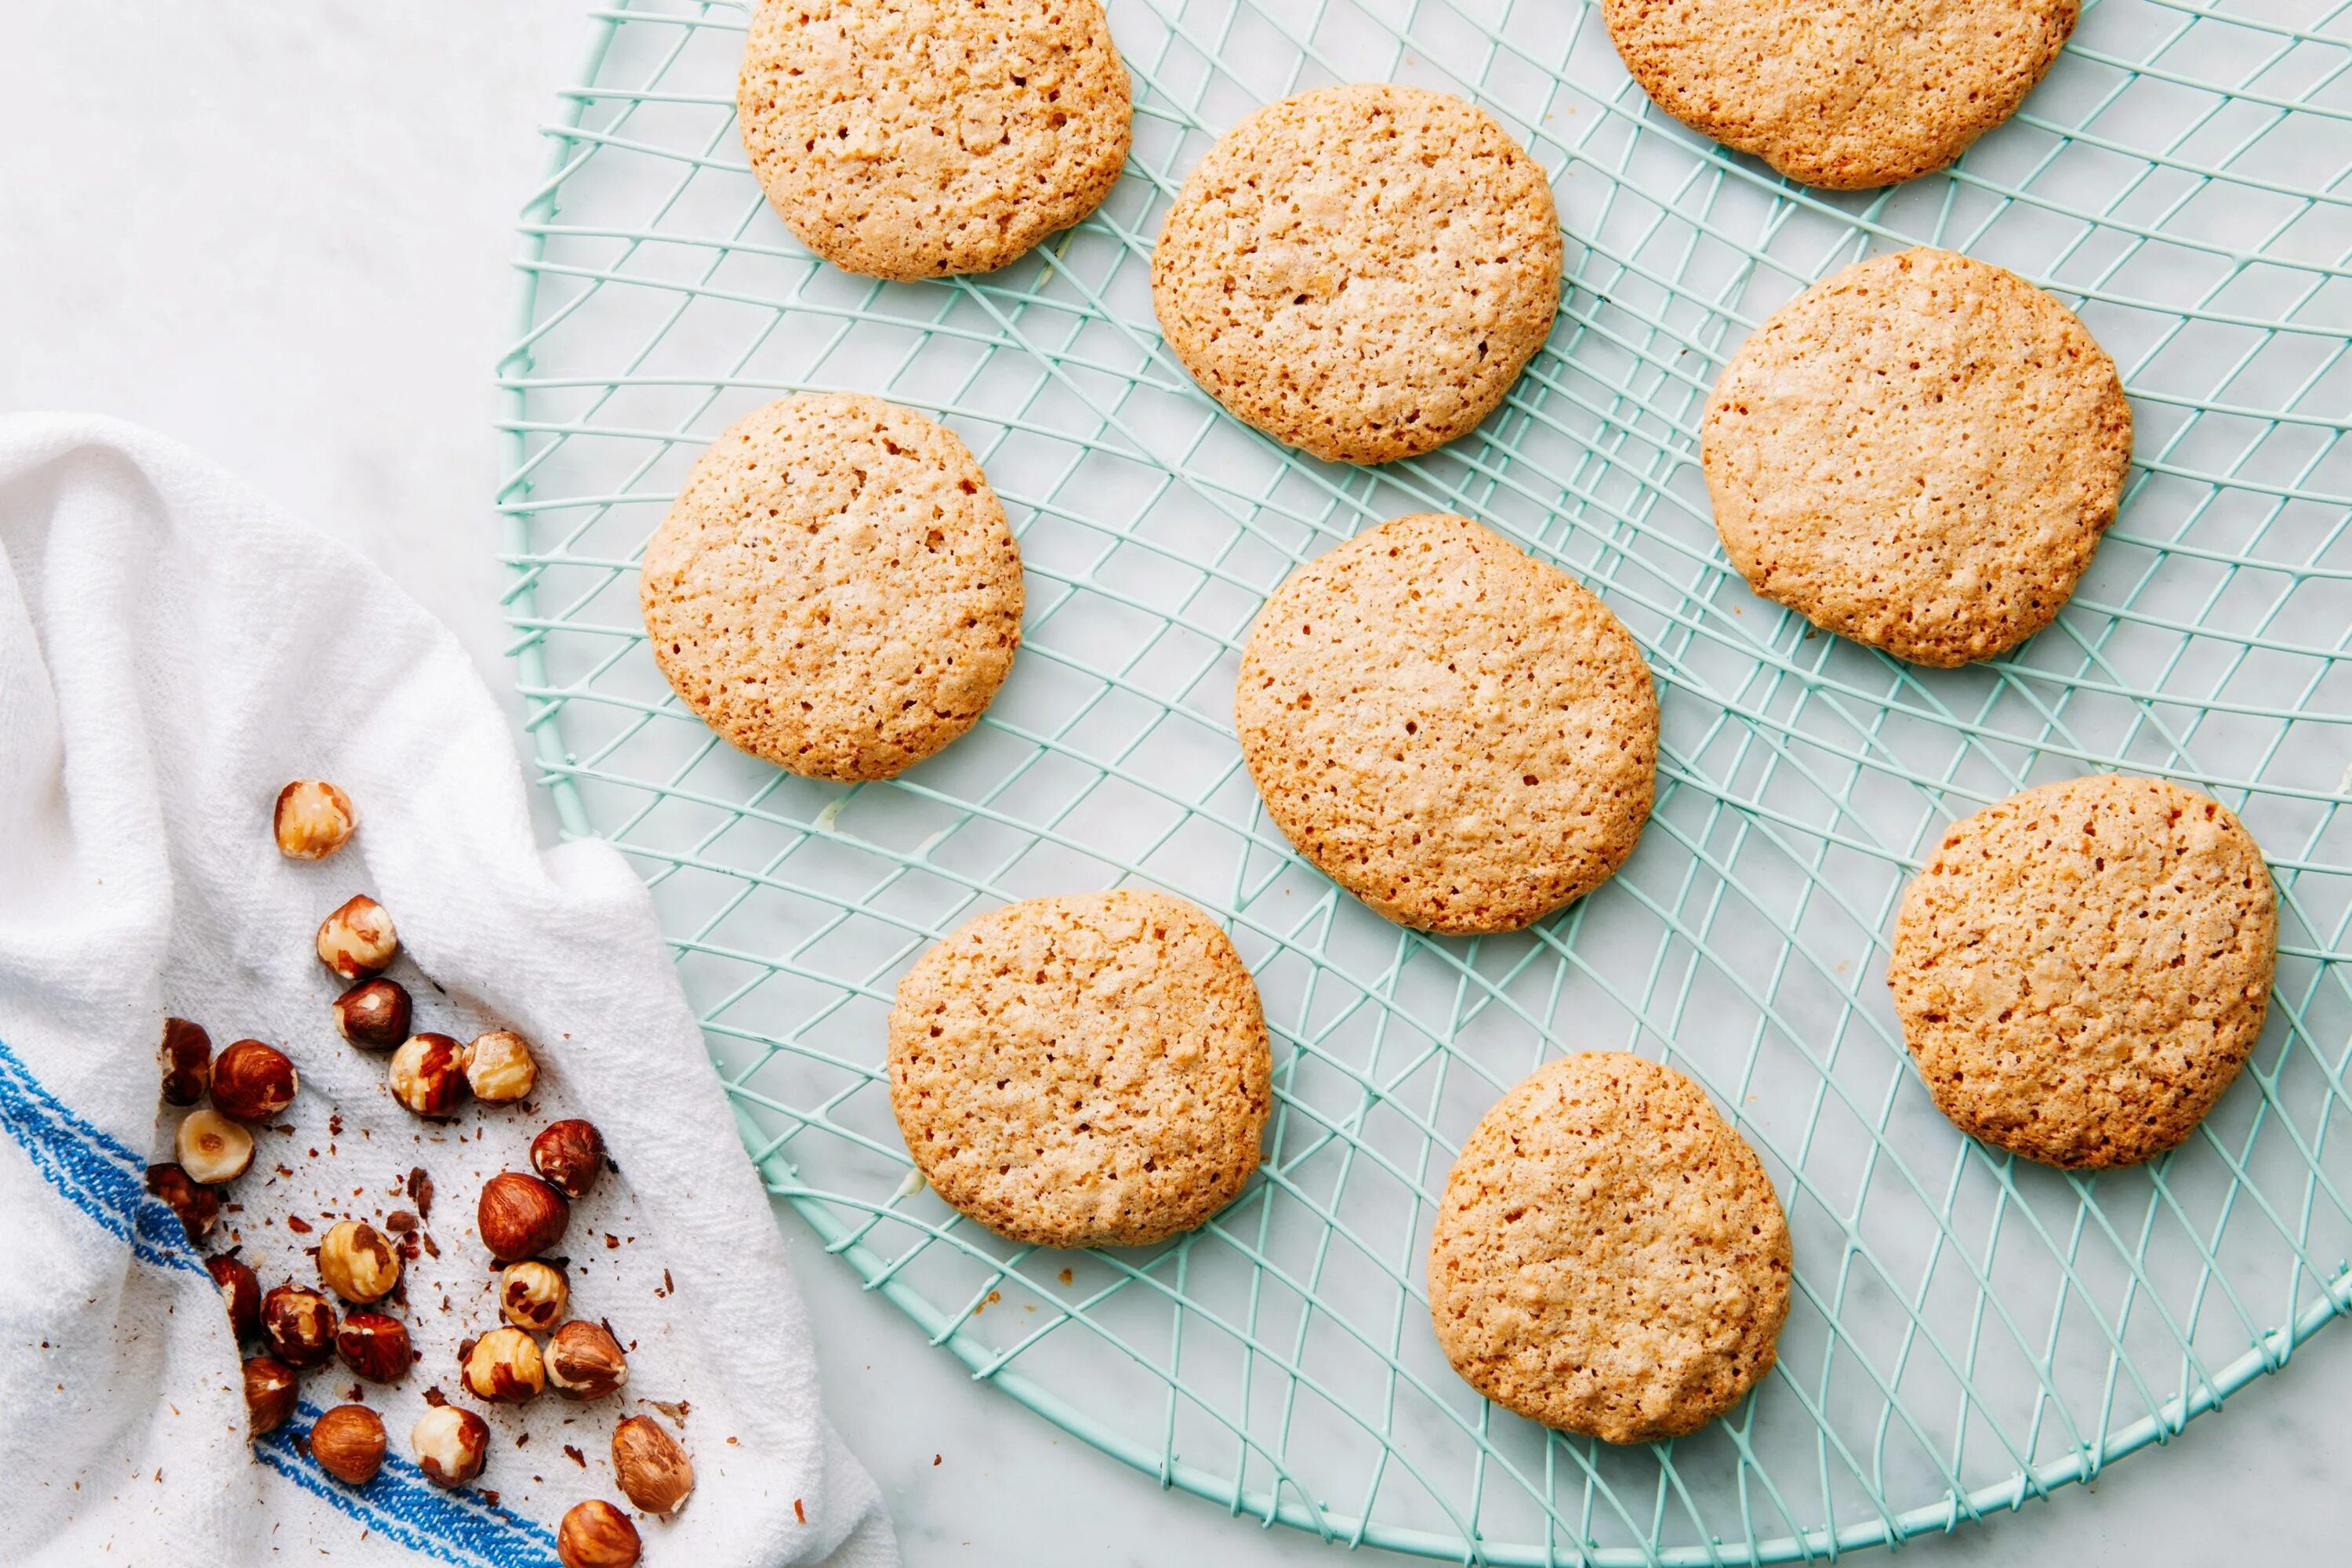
{"x": 428, "y": 1075}
{"x": 520, "y": 1215}
{"x": 253, "y": 1083}
{"x": 212, "y": 1148}
{"x": 532, "y": 1295}
{"x": 357, "y": 939}
{"x": 504, "y": 1367}
{"x": 299, "y": 1324}
{"x": 357, "y": 1263}
{"x": 650, "y": 1465}
{"x": 375, "y": 1346}
{"x": 374, "y": 1014}
{"x": 197, "y": 1205}
{"x": 501, "y": 1067}
{"x": 570, "y": 1156}
{"x": 595, "y": 1534}
{"x": 348, "y": 1443}
{"x": 240, "y": 1293}
{"x": 584, "y": 1361}
{"x": 269, "y": 1392}
{"x": 186, "y": 1058}
{"x": 450, "y": 1445}
{"x": 313, "y": 820}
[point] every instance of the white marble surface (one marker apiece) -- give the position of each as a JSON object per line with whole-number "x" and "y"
{"x": 278, "y": 230}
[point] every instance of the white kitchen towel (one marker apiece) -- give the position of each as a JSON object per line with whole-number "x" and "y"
{"x": 172, "y": 651}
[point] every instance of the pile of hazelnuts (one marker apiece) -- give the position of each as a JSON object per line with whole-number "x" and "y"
{"x": 520, "y": 1216}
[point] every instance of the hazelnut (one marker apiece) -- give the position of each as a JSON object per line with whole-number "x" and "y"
{"x": 357, "y": 1263}
{"x": 268, "y": 1393}
{"x": 584, "y": 1361}
{"x": 531, "y": 1294}
{"x": 212, "y": 1148}
{"x": 428, "y": 1075}
{"x": 240, "y": 1293}
{"x": 520, "y": 1215}
{"x": 650, "y": 1465}
{"x": 299, "y": 1324}
{"x": 499, "y": 1067}
{"x": 186, "y": 1058}
{"x": 450, "y": 1444}
{"x": 313, "y": 820}
{"x": 348, "y": 1443}
{"x": 595, "y": 1534}
{"x": 375, "y": 1346}
{"x": 570, "y": 1156}
{"x": 253, "y": 1083}
{"x": 374, "y": 1014}
{"x": 196, "y": 1204}
{"x": 357, "y": 939}
{"x": 504, "y": 1367}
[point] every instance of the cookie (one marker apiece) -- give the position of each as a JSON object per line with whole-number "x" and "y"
{"x": 1360, "y": 271}
{"x": 1083, "y": 1071}
{"x": 1849, "y": 94}
{"x": 2082, "y": 969}
{"x": 1610, "y": 1257}
{"x": 835, "y": 589}
{"x": 918, "y": 138}
{"x": 1920, "y": 453}
{"x": 1454, "y": 732}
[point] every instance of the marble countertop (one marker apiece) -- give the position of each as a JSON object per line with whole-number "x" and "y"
{"x": 279, "y": 233}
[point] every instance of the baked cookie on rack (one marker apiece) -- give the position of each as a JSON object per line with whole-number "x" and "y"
{"x": 835, "y": 589}
{"x": 1456, "y": 732}
{"x": 1083, "y": 1071}
{"x": 2082, "y": 969}
{"x": 1360, "y": 271}
{"x": 1848, "y": 94}
{"x": 1609, "y": 1256}
{"x": 917, "y": 138}
{"x": 1919, "y": 453}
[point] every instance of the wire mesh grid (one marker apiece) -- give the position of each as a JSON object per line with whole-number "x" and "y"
{"x": 1967, "y": 1332}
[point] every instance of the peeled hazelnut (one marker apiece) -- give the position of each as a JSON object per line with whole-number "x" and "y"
{"x": 269, "y": 1393}
{"x": 531, "y": 1294}
{"x": 595, "y": 1534}
{"x": 240, "y": 1293}
{"x": 186, "y": 1058}
{"x": 450, "y": 1444}
{"x": 520, "y": 1215}
{"x": 196, "y": 1204}
{"x": 373, "y": 1013}
{"x": 428, "y": 1075}
{"x": 253, "y": 1083}
{"x": 570, "y": 1156}
{"x": 504, "y": 1367}
{"x": 357, "y": 1263}
{"x": 212, "y": 1148}
{"x": 501, "y": 1067}
{"x": 299, "y": 1325}
{"x": 375, "y": 1346}
{"x": 313, "y": 819}
{"x": 650, "y": 1465}
{"x": 584, "y": 1361}
{"x": 348, "y": 1443}
{"x": 357, "y": 939}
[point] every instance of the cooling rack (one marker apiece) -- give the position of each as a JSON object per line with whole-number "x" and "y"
{"x": 1968, "y": 1333}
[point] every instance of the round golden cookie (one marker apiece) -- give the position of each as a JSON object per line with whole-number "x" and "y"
{"x": 1849, "y": 94}
{"x": 1454, "y": 732}
{"x": 1920, "y": 454}
{"x": 2082, "y": 969}
{"x": 918, "y": 138}
{"x": 1083, "y": 1071}
{"x": 1610, "y": 1257}
{"x": 835, "y": 589}
{"x": 1362, "y": 271}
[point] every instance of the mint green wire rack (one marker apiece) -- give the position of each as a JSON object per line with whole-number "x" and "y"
{"x": 1968, "y": 1333}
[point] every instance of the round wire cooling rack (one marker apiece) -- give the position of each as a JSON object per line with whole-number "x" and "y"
{"x": 1967, "y": 1332}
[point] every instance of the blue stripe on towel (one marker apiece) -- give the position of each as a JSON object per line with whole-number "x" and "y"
{"x": 454, "y": 1526}
{"x": 96, "y": 1171}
